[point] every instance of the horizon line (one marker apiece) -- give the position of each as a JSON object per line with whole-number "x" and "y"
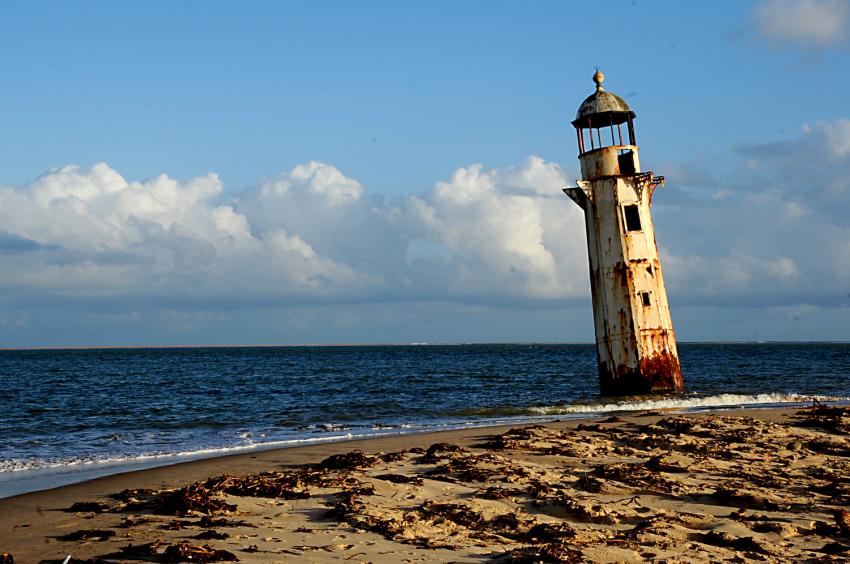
{"x": 389, "y": 344}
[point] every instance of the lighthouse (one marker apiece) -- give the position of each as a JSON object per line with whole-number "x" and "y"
{"x": 635, "y": 344}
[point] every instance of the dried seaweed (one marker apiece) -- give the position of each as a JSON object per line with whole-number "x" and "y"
{"x": 832, "y": 418}
{"x": 393, "y": 456}
{"x": 495, "y": 492}
{"x": 590, "y": 484}
{"x": 591, "y": 512}
{"x": 454, "y": 512}
{"x": 88, "y": 507}
{"x": 664, "y": 463}
{"x": 186, "y": 552}
{"x": 211, "y": 535}
{"x": 259, "y": 485}
{"x": 834, "y": 548}
{"x": 348, "y": 503}
{"x": 828, "y": 447}
{"x": 354, "y": 460}
{"x": 138, "y": 551}
{"x": 725, "y": 540}
{"x": 636, "y": 475}
{"x": 88, "y": 534}
{"x": 209, "y": 522}
{"x": 743, "y": 499}
{"x": 437, "y": 451}
{"x": 400, "y": 479}
{"x": 842, "y": 519}
{"x": 552, "y": 552}
{"x": 549, "y": 532}
{"x": 132, "y": 522}
{"x": 194, "y": 498}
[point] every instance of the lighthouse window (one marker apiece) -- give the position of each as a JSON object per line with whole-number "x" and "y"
{"x": 632, "y": 214}
{"x": 644, "y": 298}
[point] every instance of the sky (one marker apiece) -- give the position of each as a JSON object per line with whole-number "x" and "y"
{"x": 358, "y": 172}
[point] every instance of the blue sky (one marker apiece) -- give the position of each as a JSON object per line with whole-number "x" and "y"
{"x": 743, "y": 106}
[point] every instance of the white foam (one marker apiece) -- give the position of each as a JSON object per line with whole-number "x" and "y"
{"x": 718, "y": 401}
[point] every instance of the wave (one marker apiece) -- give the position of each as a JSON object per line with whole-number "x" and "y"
{"x": 468, "y": 418}
{"x": 667, "y": 403}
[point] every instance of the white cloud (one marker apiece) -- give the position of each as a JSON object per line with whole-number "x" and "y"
{"x": 91, "y": 239}
{"x": 509, "y": 231}
{"x": 808, "y": 23}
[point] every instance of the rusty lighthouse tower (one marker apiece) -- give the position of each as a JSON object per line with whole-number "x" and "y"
{"x": 635, "y": 344}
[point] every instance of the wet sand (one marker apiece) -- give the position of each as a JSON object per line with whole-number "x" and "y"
{"x": 748, "y": 485}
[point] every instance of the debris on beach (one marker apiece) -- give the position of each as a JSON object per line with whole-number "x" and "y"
{"x": 354, "y": 460}
{"x": 88, "y": 534}
{"x": 831, "y": 417}
{"x": 191, "y": 499}
{"x": 88, "y": 507}
{"x": 187, "y": 552}
{"x": 260, "y": 485}
{"x": 727, "y": 487}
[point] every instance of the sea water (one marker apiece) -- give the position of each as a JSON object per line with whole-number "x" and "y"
{"x": 68, "y": 415}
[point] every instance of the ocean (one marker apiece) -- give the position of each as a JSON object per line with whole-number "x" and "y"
{"x": 70, "y": 415}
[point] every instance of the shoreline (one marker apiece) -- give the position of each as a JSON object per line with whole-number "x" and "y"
{"x": 31, "y": 523}
{"x": 21, "y": 482}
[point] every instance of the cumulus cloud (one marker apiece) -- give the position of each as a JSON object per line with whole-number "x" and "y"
{"x": 806, "y": 23}
{"x": 777, "y": 233}
{"x": 310, "y": 234}
{"x": 501, "y": 232}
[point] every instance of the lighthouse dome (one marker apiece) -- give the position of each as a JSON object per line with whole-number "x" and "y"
{"x": 602, "y": 108}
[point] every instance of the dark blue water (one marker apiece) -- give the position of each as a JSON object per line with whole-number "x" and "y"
{"x": 63, "y": 409}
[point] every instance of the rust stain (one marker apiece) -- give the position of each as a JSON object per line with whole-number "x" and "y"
{"x": 658, "y": 373}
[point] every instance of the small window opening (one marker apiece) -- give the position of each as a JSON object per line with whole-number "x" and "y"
{"x": 626, "y": 162}
{"x": 649, "y": 269}
{"x": 632, "y": 214}
{"x": 644, "y": 299}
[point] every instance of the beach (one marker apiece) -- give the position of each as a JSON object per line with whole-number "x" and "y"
{"x": 735, "y": 485}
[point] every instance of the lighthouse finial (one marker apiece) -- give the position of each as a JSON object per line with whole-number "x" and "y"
{"x": 598, "y": 78}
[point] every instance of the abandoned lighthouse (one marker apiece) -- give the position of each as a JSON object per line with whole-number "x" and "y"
{"x": 635, "y": 344}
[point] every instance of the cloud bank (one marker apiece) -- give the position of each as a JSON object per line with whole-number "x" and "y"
{"x": 773, "y": 233}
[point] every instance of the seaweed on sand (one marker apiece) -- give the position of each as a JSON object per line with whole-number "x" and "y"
{"x": 208, "y": 522}
{"x": 211, "y": 535}
{"x": 549, "y": 532}
{"x": 194, "y": 498}
{"x": 546, "y": 553}
{"x": 88, "y": 534}
{"x": 348, "y": 503}
{"x": 831, "y": 418}
{"x": 454, "y": 512}
{"x": 725, "y": 540}
{"x": 258, "y": 485}
{"x": 187, "y": 552}
{"x": 88, "y": 507}
{"x": 354, "y": 460}
{"x": 438, "y": 451}
{"x": 400, "y": 479}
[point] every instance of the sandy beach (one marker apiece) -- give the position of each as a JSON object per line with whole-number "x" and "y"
{"x": 746, "y": 485}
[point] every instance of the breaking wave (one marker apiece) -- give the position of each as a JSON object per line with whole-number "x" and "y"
{"x": 720, "y": 401}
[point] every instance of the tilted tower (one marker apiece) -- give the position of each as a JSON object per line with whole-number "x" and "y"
{"x": 635, "y": 344}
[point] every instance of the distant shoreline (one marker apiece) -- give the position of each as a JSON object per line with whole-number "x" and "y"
{"x": 366, "y": 345}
